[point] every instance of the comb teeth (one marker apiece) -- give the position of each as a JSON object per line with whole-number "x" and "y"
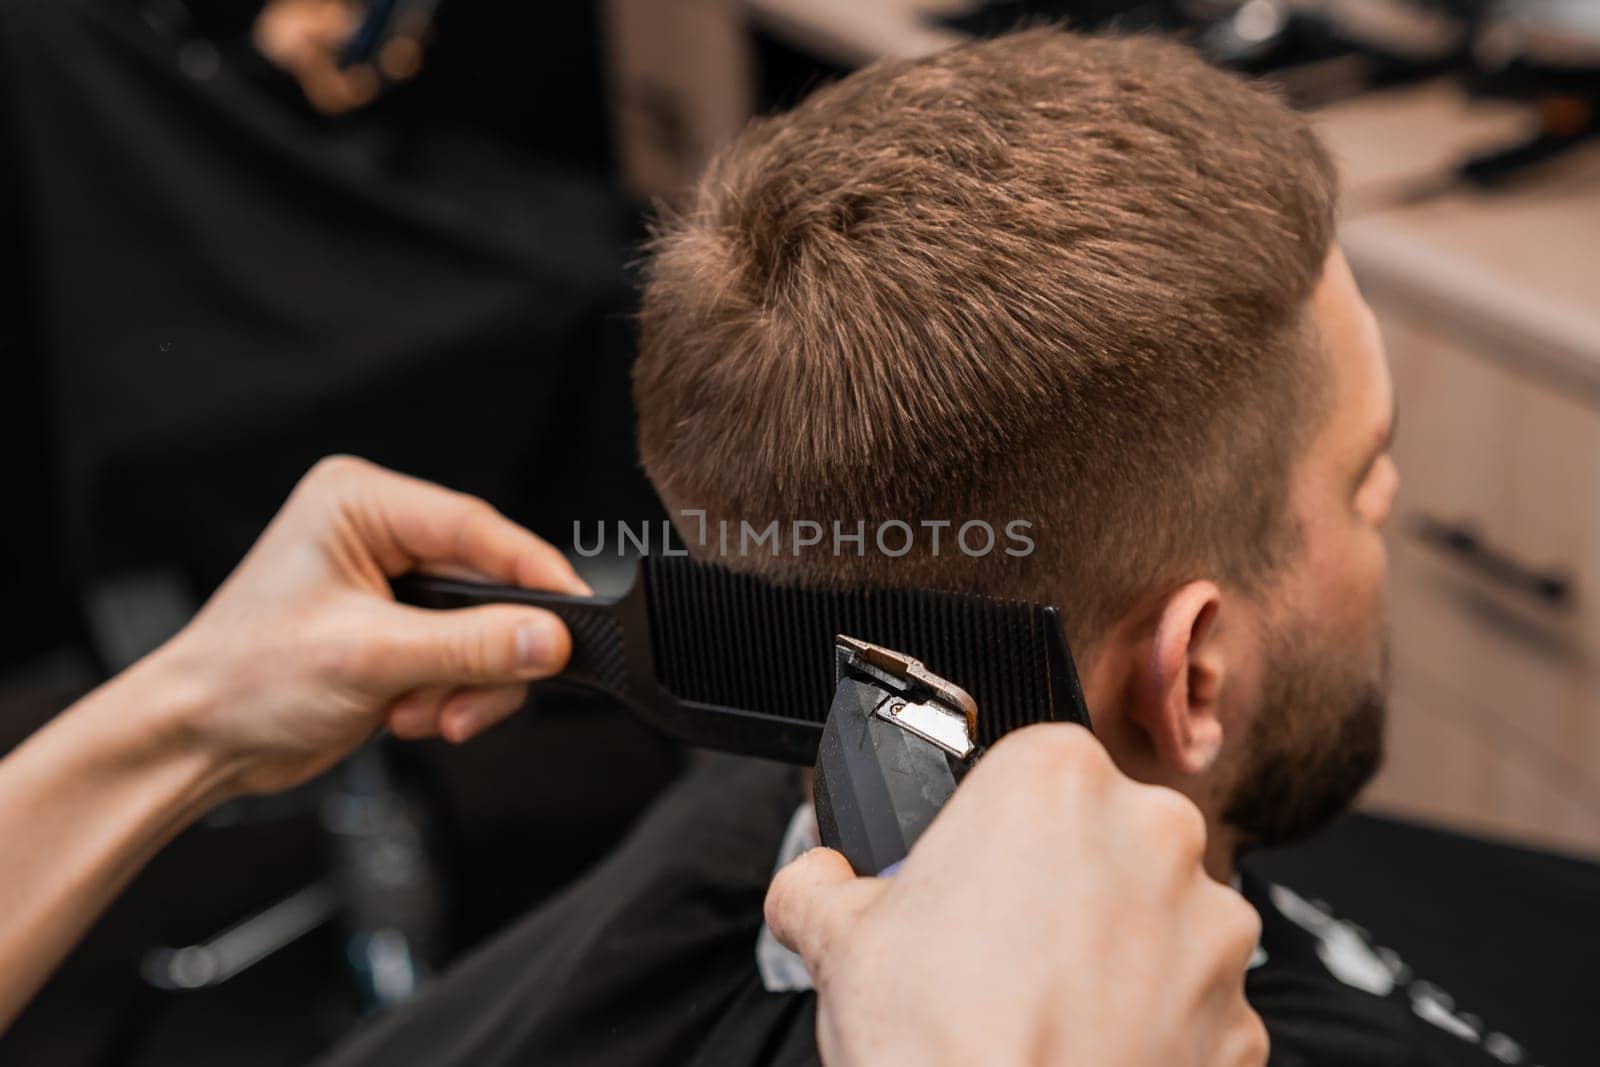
{"x": 738, "y": 641}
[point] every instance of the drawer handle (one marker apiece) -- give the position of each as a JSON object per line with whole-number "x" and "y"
{"x": 1461, "y": 541}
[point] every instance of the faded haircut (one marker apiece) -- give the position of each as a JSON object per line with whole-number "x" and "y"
{"x": 1047, "y": 277}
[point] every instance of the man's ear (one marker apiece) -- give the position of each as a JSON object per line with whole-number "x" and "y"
{"x": 1179, "y": 693}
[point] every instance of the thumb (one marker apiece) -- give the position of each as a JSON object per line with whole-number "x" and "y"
{"x": 496, "y": 644}
{"x": 814, "y": 904}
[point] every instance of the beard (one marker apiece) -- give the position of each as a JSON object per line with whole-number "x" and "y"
{"x": 1316, "y": 741}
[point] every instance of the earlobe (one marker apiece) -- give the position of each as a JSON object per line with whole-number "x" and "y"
{"x": 1180, "y": 702}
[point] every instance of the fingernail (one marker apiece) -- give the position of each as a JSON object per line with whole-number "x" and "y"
{"x": 576, "y": 585}
{"x": 536, "y": 644}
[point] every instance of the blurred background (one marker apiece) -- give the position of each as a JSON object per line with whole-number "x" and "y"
{"x": 242, "y": 235}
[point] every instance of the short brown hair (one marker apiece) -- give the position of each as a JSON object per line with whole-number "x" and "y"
{"x": 1045, "y": 277}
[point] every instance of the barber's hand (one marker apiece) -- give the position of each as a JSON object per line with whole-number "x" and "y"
{"x": 305, "y": 38}
{"x": 1055, "y": 912}
{"x": 303, "y": 654}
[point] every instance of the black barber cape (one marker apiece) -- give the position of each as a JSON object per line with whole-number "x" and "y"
{"x": 650, "y": 959}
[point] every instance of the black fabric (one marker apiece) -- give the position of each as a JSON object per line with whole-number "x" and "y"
{"x": 228, "y": 286}
{"x": 1316, "y": 1021}
{"x": 38, "y": 617}
{"x": 650, "y": 959}
{"x": 1511, "y": 933}
{"x": 634, "y": 964}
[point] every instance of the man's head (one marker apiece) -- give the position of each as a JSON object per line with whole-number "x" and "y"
{"x": 1088, "y": 284}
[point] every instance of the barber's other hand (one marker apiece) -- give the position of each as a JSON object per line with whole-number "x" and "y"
{"x": 1055, "y": 912}
{"x": 302, "y": 653}
{"x": 305, "y": 39}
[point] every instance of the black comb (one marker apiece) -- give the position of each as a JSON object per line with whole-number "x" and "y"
{"x": 729, "y": 661}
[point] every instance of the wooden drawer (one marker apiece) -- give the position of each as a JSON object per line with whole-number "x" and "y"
{"x": 1489, "y": 304}
{"x": 1451, "y": 765}
{"x": 1493, "y": 596}
{"x": 1500, "y": 477}
{"x": 1495, "y": 723}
